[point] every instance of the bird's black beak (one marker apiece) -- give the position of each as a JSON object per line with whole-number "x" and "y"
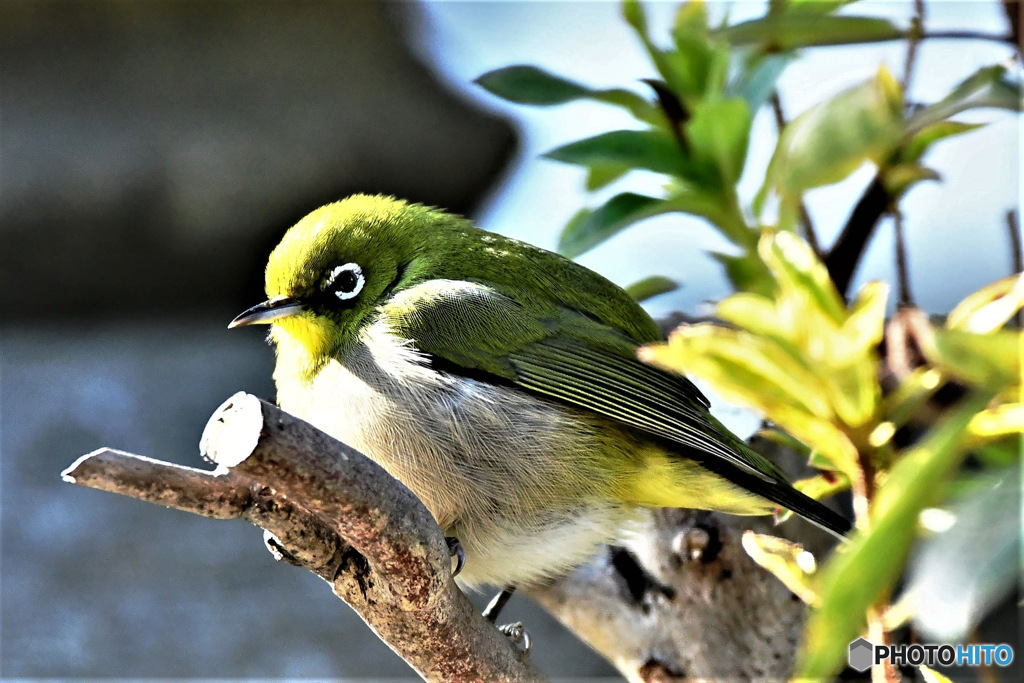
{"x": 268, "y": 311}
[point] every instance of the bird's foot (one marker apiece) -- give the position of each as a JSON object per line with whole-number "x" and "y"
{"x": 497, "y": 604}
{"x": 455, "y": 548}
{"x": 519, "y": 636}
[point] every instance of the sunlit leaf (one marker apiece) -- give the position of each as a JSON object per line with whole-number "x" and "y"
{"x": 832, "y": 139}
{"x": 990, "y": 86}
{"x": 650, "y": 287}
{"x": 602, "y": 176}
{"x": 795, "y": 30}
{"x": 871, "y": 563}
{"x": 721, "y": 129}
{"x": 930, "y": 675}
{"x": 788, "y": 561}
{"x": 798, "y": 271}
{"x": 1002, "y": 420}
{"x": 591, "y": 227}
{"x": 753, "y": 312}
{"x": 823, "y": 486}
{"x": 691, "y": 19}
{"x": 898, "y": 178}
{"x": 865, "y": 326}
{"x": 988, "y": 360}
{"x": 988, "y": 309}
{"x": 924, "y": 138}
{"x": 744, "y": 368}
{"x": 647, "y": 149}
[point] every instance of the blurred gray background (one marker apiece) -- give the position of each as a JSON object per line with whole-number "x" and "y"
{"x": 151, "y": 155}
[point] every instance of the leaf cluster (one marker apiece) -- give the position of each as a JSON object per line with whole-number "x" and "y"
{"x": 819, "y": 369}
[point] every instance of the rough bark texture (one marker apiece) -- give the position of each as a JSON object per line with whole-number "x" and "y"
{"x": 683, "y": 600}
{"x": 333, "y": 511}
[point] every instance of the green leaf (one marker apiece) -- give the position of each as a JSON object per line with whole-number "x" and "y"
{"x": 651, "y": 150}
{"x": 601, "y": 176}
{"x": 899, "y": 178}
{"x": 788, "y": 561}
{"x": 853, "y": 580}
{"x": 793, "y": 30}
{"x": 721, "y": 129}
{"x": 987, "y": 87}
{"x": 650, "y": 287}
{"x": 756, "y": 79}
{"x": 799, "y": 271}
{"x": 989, "y": 308}
{"x": 530, "y": 85}
{"x": 534, "y": 86}
{"x": 590, "y": 227}
{"x": 747, "y": 273}
{"x": 832, "y": 139}
{"x": 988, "y": 360}
{"x": 691, "y": 19}
{"x": 924, "y": 138}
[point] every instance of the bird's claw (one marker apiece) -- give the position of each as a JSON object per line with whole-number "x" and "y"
{"x": 519, "y": 636}
{"x": 456, "y": 551}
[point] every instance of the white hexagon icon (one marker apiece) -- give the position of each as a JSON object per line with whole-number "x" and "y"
{"x": 860, "y": 655}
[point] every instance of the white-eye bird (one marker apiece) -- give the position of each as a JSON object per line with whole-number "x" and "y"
{"x": 500, "y": 383}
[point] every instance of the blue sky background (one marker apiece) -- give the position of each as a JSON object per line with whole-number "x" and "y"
{"x": 955, "y": 229}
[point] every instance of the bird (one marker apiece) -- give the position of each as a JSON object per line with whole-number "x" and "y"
{"x": 500, "y": 383}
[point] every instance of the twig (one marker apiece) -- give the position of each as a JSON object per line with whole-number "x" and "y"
{"x": 969, "y": 35}
{"x": 1016, "y": 253}
{"x": 905, "y": 298}
{"x": 333, "y": 511}
{"x": 1012, "y": 10}
{"x": 916, "y": 31}
{"x": 805, "y": 215}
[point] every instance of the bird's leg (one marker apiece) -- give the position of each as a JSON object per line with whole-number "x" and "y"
{"x": 494, "y": 608}
{"x": 455, "y": 548}
{"x": 516, "y": 632}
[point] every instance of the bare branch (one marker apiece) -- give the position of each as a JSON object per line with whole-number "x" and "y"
{"x": 844, "y": 256}
{"x": 333, "y": 511}
{"x": 1016, "y": 253}
{"x": 902, "y": 276}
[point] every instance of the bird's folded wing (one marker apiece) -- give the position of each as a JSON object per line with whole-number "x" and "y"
{"x": 564, "y": 355}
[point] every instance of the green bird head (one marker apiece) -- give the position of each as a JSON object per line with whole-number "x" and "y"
{"x": 334, "y": 268}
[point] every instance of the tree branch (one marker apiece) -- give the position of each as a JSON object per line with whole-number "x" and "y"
{"x": 333, "y": 511}
{"x": 845, "y": 254}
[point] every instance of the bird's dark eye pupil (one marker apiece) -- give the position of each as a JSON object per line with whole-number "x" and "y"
{"x": 346, "y": 281}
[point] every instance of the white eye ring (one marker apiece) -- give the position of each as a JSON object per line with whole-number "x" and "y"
{"x": 353, "y": 269}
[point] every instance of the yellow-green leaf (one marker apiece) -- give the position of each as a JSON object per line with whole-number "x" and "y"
{"x": 800, "y": 273}
{"x": 832, "y": 139}
{"x": 650, "y": 287}
{"x": 721, "y": 129}
{"x": 932, "y": 676}
{"x": 788, "y": 561}
{"x": 989, "y": 360}
{"x": 988, "y": 309}
{"x": 871, "y": 563}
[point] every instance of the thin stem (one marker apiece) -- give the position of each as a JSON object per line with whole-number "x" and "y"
{"x": 805, "y": 216}
{"x": 905, "y": 298}
{"x": 1016, "y": 253}
{"x": 968, "y": 35}
{"x": 916, "y": 30}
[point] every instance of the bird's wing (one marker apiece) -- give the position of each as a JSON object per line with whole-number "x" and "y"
{"x": 470, "y": 329}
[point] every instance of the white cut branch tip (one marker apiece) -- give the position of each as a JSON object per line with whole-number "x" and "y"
{"x": 233, "y": 431}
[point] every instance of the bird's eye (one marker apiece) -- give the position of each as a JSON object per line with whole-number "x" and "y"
{"x": 345, "y": 281}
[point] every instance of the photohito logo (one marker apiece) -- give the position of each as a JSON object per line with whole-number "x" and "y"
{"x": 863, "y": 654}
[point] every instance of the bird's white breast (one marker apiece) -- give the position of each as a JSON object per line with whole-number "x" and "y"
{"x": 499, "y": 469}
